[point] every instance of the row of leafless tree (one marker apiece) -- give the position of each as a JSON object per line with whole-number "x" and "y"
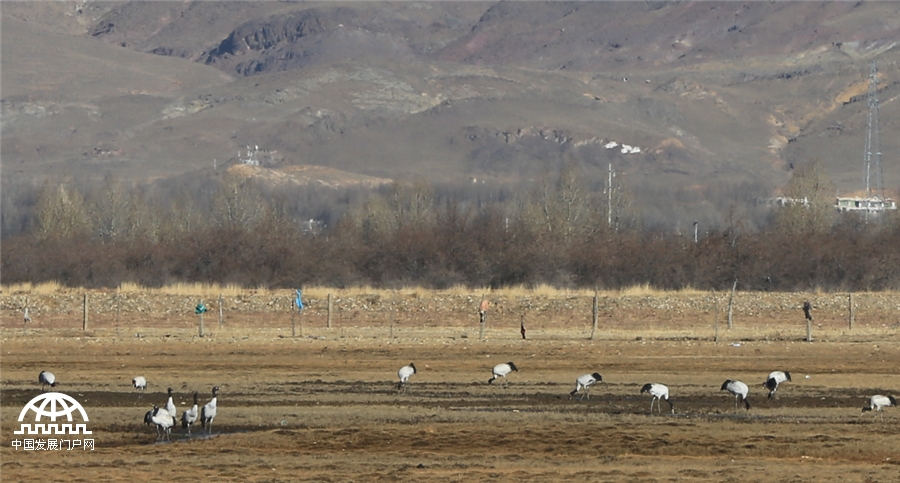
{"x": 560, "y": 232}
{"x": 474, "y": 250}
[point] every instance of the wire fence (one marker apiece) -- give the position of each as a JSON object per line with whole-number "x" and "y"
{"x": 754, "y": 315}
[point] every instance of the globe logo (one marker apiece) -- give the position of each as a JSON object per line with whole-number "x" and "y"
{"x": 66, "y": 404}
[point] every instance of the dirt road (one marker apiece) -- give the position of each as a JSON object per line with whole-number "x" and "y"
{"x": 327, "y": 408}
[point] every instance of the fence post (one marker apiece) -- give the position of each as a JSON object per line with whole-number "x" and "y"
{"x": 808, "y": 330}
{"x": 393, "y": 293}
{"x": 596, "y": 315}
{"x": 852, "y": 314}
{"x": 329, "y": 311}
{"x": 731, "y": 306}
{"x": 200, "y": 311}
{"x": 300, "y": 318}
{"x": 716, "y": 303}
{"x": 220, "y": 311}
{"x": 116, "y": 298}
{"x": 482, "y": 313}
{"x": 84, "y": 320}
{"x": 293, "y": 327}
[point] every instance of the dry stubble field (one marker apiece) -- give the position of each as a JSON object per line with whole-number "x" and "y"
{"x": 327, "y": 408}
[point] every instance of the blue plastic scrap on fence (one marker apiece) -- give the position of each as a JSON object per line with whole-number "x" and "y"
{"x": 299, "y": 302}
{"x": 200, "y": 308}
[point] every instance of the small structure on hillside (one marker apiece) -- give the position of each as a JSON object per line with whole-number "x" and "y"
{"x": 785, "y": 201}
{"x": 871, "y": 204}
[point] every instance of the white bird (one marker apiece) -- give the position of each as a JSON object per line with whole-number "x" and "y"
{"x": 170, "y": 405}
{"x": 209, "y": 411}
{"x": 163, "y": 421}
{"x": 139, "y": 383}
{"x": 47, "y": 378}
{"x": 404, "y": 374}
{"x": 659, "y": 392}
{"x": 877, "y": 402}
{"x": 189, "y": 417}
{"x": 585, "y": 382}
{"x": 27, "y": 317}
{"x": 501, "y": 370}
{"x": 774, "y": 379}
{"x": 739, "y": 389}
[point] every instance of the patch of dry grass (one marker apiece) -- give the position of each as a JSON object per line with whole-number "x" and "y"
{"x": 321, "y": 292}
{"x": 39, "y": 289}
{"x": 195, "y": 289}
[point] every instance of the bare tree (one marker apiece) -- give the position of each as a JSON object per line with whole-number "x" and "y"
{"x": 109, "y": 209}
{"x": 61, "y": 212}
{"x": 411, "y": 204}
{"x": 238, "y": 202}
{"x": 809, "y": 201}
{"x": 560, "y": 204}
{"x": 183, "y": 218}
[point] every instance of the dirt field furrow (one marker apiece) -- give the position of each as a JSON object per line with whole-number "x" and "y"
{"x": 327, "y": 408}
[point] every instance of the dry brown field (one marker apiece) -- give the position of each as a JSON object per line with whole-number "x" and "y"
{"x": 324, "y": 405}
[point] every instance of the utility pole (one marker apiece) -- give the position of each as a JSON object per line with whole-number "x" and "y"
{"x": 609, "y": 197}
{"x": 873, "y": 144}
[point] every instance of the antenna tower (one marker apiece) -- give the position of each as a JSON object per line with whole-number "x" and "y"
{"x": 874, "y": 174}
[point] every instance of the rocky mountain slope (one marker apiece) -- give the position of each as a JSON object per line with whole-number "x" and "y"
{"x": 700, "y": 105}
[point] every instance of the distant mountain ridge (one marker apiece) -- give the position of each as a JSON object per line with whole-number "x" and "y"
{"x": 722, "y": 98}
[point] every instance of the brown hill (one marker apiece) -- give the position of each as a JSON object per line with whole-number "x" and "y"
{"x": 306, "y": 175}
{"x": 721, "y": 98}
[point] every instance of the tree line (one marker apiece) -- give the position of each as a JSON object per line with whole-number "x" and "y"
{"x": 560, "y": 231}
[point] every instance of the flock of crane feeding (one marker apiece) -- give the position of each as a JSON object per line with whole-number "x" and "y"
{"x": 660, "y": 392}
{"x": 165, "y": 418}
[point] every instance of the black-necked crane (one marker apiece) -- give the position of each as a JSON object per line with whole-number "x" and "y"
{"x": 148, "y": 418}
{"x": 501, "y": 370}
{"x": 740, "y": 391}
{"x": 163, "y": 421}
{"x": 774, "y": 379}
{"x": 47, "y": 379}
{"x": 208, "y": 413}
{"x": 170, "y": 405}
{"x": 877, "y": 402}
{"x": 404, "y": 374}
{"x": 585, "y": 382}
{"x": 189, "y": 416}
{"x": 659, "y": 392}
{"x": 139, "y": 383}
